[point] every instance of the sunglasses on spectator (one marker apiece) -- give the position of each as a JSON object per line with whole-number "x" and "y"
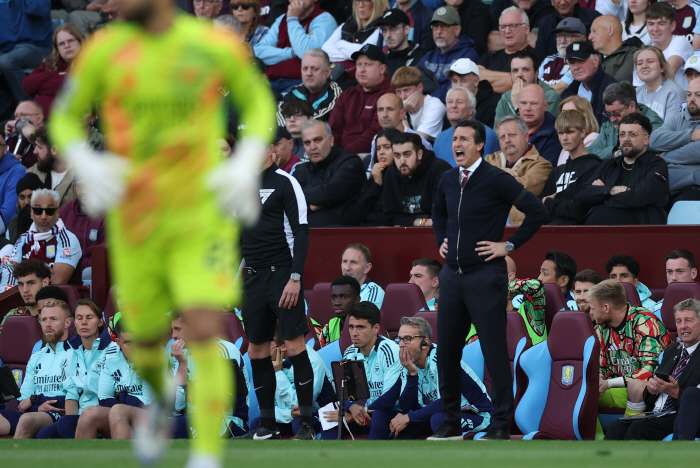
{"x": 243, "y": 6}
{"x": 37, "y": 210}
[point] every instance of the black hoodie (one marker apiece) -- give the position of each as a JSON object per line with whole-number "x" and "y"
{"x": 567, "y": 181}
{"x": 406, "y": 199}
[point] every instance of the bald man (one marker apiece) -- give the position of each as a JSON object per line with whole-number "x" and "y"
{"x": 391, "y": 114}
{"x": 532, "y": 105}
{"x": 606, "y": 37}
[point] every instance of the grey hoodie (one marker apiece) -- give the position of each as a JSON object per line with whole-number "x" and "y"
{"x": 672, "y": 140}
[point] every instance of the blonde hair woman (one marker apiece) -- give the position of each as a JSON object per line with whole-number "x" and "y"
{"x": 582, "y": 105}
{"x": 659, "y": 91}
{"x": 358, "y": 30}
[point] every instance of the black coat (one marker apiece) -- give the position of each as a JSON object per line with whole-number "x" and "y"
{"x": 597, "y": 85}
{"x": 690, "y": 377}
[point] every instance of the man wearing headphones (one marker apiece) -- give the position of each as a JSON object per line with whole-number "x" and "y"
{"x": 418, "y": 390}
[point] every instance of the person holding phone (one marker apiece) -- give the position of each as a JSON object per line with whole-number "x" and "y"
{"x": 663, "y": 397}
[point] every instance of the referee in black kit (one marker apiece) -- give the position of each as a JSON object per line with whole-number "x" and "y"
{"x": 471, "y": 208}
{"x": 275, "y": 251}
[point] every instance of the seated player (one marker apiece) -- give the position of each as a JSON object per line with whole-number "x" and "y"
{"x": 583, "y": 281}
{"x": 31, "y": 275}
{"x": 631, "y": 339}
{"x": 48, "y": 240}
{"x": 234, "y": 419}
{"x": 418, "y": 391}
{"x": 357, "y": 262}
{"x": 287, "y": 412}
{"x": 625, "y": 269}
{"x": 345, "y": 293}
{"x": 42, "y": 388}
{"x": 82, "y": 373}
{"x": 117, "y": 384}
{"x": 380, "y": 356}
{"x": 424, "y": 274}
{"x": 559, "y": 268}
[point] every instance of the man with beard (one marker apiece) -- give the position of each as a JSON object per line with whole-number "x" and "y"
{"x": 583, "y": 281}
{"x": 53, "y": 172}
{"x": 42, "y": 387}
{"x": 22, "y": 220}
{"x": 29, "y": 115}
{"x": 633, "y": 187}
{"x": 678, "y": 142}
{"x": 32, "y": 275}
{"x": 47, "y": 240}
{"x": 411, "y": 183}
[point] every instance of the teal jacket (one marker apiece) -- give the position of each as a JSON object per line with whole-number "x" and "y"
{"x": 607, "y": 140}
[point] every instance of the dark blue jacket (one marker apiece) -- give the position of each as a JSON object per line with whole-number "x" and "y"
{"x": 546, "y": 42}
{"x": 437, "y": 62}
{"x": 11, "y": 170}
{"x": 597, "y": 85}
{"x": 546, "y": 140}
{"x": 478, "y": 212}
{"x": 25, "y": 22}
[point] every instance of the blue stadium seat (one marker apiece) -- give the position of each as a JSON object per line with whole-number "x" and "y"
{"x": 330, "y": 353}
{"x": 684, "y": 212}
{"x": 253, "y": 407}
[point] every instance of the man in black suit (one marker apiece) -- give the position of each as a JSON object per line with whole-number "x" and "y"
{"x": 680, "y": 370}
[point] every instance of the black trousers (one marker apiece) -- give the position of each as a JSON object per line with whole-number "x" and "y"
{"x": 479, "y": 296}
{"x": 645, "y": 429}
{"x": 687, "y": 425}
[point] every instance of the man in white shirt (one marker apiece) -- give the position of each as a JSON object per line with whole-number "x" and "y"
{"x": 660, "y": 24}
{"x": 424, "y": 113}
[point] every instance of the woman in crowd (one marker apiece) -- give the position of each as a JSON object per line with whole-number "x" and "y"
{"x": 43, "y": 83}
{"x": 358, "y": 30}
{"x": 635, "y": 22}
{"x": 659, "y": 92}
{"x": 248, "y": 13}
{"x": 582, "y": 105}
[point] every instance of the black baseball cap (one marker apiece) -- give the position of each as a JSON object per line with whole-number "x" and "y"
{"x": 282, "y": 132}
{"x": 393, "y": 17}
{"x": 370, "y": 51}
{"x": 580, "y": 50}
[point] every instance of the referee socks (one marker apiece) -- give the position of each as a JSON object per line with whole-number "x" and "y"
{"x": 304, "y": 384}
{"x": 265, "y": 387}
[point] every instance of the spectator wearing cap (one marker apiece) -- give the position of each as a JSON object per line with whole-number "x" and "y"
{"x": 316, "y": 88}
{"x": 21, "y": 222}
{"x": 450, "y": 46}
{"x": 305, "y": 26}
{"x": 354, "y": 116}
{"x": 465, "y": 73}
{"x": 562, "y": 9}
{"x": 396, "y": 29}
{"x": 419, "y": 14}
{"x": 633, "y": 187}
{"x": 90, "y": 231}
{"x": 11, "y": 171}
{"x": 461, "y": 104}
{"x": 295, "y": 113}
{"x": 494, "y": 67}
{"x": 475, "y": 19}
{"x": 358, "y": 30}
{"x": 523, "y": 72}
{"x": 618, "y": 56}
{"x": 678, "y": 141}
{"x": 281, "y": 149}
{"x": 692, "y": 68}
{"x": 423, "y": 113}
{"x": 590, "y": 80}
{"x": 554, "y": 70}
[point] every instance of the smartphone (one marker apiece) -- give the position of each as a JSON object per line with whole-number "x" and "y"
{"x": 662, "y": 376}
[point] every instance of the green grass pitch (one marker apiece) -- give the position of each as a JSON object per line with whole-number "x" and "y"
{"x": 362, "y": 454}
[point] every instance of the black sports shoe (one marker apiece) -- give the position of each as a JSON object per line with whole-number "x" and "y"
{"x": 496, "y": 434}
{"x": 447, "y": 432}
{"x": 261, "y": 433}
{"x": 305, "y": 432}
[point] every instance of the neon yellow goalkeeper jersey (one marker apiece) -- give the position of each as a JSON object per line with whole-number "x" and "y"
{"x": 160, "y": 99}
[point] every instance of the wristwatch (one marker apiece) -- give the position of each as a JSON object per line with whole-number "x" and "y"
{"x": 509, "y": 246}
{"x": 295, "y": 277}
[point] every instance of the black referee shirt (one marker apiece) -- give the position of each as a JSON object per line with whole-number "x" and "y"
{"x": 281, "y": 236}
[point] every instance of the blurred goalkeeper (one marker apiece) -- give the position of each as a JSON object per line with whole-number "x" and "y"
{"x": 159, "y": 80}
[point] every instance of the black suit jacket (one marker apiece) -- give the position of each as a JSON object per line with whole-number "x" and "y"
{"x": 689, "y": 378}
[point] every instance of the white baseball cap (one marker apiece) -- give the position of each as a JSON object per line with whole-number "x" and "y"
{"x": 462, "y": 66}
{"x": 693, "y": 62}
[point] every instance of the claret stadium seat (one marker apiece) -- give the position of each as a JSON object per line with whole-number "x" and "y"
{"x": 234, "y": 332}
{"x": 18, "y": 337}
{"x": 675, "y": 293}
{"x": 561, "y": 399}
{"x": 320, "y": 307}
{"x": 554, "y": 303}
{"x": 632, "y": 294}
{"x": 400, "y": 300}
{"x": 431, "y": 318}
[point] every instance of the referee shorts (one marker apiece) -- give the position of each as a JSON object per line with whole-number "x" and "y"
{"x": 263, "y": 288}
{"x": 613, "y": 398}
